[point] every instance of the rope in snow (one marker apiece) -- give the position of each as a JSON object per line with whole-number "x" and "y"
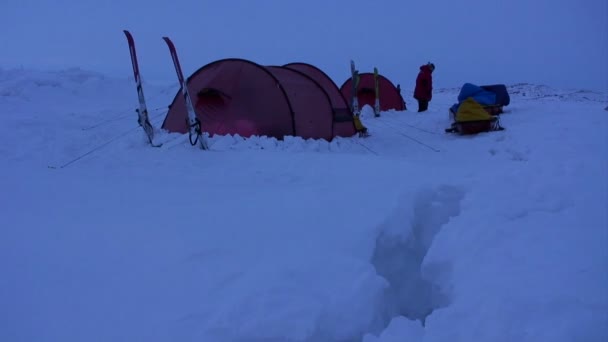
{"x": 367, "y": 148}
{"x": 123, "y": 115}
{"x": 95, "y": 149}
{"x": 413, "y": 139}
{"x": 421, "y": 129}
{"x": 406, "y": 124}
{"x": 420, "y": 142}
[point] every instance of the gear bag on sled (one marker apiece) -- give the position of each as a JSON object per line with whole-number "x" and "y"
{"x": 472, "y": 118}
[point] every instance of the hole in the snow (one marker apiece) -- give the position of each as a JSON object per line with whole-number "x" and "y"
{"x": 401, "y": 249}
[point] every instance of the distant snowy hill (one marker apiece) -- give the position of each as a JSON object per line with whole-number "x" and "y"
{"x": 411, "y": 234}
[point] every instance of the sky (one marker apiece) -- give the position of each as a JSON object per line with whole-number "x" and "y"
{"x": 561, "y": 43}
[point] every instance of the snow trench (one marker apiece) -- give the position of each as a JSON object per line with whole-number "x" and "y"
{"x": 400, "y": 250}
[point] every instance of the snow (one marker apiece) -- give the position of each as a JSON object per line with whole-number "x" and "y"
{"x": 410, "y": 234}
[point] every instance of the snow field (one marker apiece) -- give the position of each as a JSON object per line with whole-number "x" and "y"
{"x": 410, "y": 234}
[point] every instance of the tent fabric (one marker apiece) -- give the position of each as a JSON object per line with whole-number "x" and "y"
{"x": 502, "y": 95}
{"x": 237, "y": 96}
{"x": 343, "y": 117}
{"x": 390, "y": 96}
{"x": 311, "y": 106}
{"x": 480, "y": 95}
{"x": 492, "y": 97}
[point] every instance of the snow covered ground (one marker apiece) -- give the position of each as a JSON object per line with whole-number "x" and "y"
{"x": 411, "y": 234}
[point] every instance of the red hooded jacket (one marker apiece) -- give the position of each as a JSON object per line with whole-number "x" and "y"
{"x": 424, "y": 84}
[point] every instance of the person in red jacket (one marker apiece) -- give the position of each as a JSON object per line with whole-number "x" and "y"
{"x": 424, "y": 86}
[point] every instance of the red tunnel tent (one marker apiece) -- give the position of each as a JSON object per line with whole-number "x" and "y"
{"x": 237, "y": 96}
{"x": 343, "y": 117}
{"x": 390, "y": 96}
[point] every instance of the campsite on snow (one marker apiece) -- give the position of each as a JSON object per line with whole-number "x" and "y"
{"x": 240, "y": 97}
{"x": 249, "y": 200}
{"x": 410, "y": 232}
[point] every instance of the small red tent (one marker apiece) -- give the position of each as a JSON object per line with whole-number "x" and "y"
{"x": 390, "y": 96}
{"x": 237, "y": 96}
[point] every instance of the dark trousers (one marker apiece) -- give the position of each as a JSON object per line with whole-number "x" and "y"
{"x": 423, "y": 105}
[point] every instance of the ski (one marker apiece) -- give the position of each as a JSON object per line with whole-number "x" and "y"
{"x": 377, "y": 102}
{"x": 193, "y": 122}
{"x": 142, "y": 112}
{"x": 355, "y": 80}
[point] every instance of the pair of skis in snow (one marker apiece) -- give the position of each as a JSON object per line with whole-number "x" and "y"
{"x": 355, "y": 86}
{"x": 196, "y": 134}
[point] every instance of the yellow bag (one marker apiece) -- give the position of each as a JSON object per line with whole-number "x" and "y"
{"x": 358, "y": 125}
{"x": 470, "y": 110}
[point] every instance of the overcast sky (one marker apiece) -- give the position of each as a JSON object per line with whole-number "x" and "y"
{"x": 563, "y": 43}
